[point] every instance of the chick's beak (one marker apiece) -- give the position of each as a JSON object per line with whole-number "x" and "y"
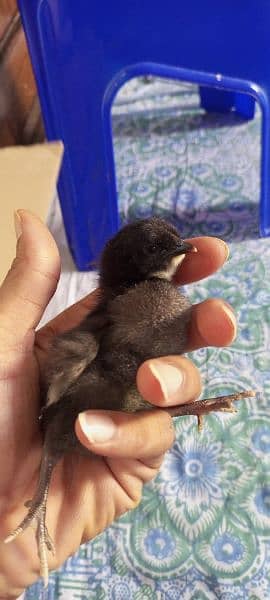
{"x": 184, "y": 248}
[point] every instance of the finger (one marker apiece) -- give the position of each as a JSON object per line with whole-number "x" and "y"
{"x": 139, "y": 435}
{"x": 175, "y": 380}
{"x": 213, "y": 323}
{"x": 31, "y": 281}
{"x": 211, "y": 254}
{"x": 169, "y": 381}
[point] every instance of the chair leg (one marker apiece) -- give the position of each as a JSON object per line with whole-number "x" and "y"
{"x": 265, "y": 172}
{"x": 87, "y": 189}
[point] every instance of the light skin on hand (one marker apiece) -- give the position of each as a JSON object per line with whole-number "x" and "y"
{"x": 91, "y": 492}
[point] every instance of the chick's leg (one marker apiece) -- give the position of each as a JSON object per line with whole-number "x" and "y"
{"x": 37, "y": 512}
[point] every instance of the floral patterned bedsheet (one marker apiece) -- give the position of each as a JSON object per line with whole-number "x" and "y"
{"x": 202, "y": 530}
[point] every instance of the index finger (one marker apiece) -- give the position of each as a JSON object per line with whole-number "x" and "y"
{"x": 211, "y": 255}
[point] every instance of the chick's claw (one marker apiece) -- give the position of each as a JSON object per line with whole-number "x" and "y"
{"x": 44, "y": 543}
{"x": 37, "y": 512}
{"x": 49, "y": 542}
{"x": 200, "y": 422}
{"x": 200, "y": 408}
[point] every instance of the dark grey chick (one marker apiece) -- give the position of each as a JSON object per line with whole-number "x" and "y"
{"x": 140, "y": 315}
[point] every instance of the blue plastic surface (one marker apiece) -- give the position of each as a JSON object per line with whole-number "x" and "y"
{"x": 82, "y": 52}
{"x": 216, "y": 100}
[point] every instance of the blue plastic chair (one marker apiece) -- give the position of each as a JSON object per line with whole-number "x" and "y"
{"x": 82, "y": 53}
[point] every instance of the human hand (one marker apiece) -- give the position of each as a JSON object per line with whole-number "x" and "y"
{"x": 87, "y": 493}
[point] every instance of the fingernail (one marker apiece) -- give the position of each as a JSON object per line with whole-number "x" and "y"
{"x": 17, "y": 224}
{"x": 227, "y": 249}
{"x": 170, "y": 378}
{"x": 98, "y": 428}
{"x": 229, "y": 312}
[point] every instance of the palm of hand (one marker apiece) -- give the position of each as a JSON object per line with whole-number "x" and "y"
{"x": 78, "y": 487}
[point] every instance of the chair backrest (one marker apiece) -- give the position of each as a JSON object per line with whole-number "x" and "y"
{"x": 83, "y": 51}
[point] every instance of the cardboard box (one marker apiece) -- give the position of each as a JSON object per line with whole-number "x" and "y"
{"x": 28, "y": 177}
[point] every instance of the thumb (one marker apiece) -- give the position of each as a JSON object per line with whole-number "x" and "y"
{"x": 30, "y": 282}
